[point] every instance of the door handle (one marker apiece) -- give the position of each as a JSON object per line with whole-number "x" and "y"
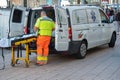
{"x": 99, "y": 25}
{"x": 60, "y": 30}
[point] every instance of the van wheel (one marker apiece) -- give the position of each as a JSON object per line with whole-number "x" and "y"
{"x": 82, "y": 51}
{"x": 112, "y": 41}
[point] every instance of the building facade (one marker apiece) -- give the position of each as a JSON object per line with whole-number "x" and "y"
{"x": 32, "y": 3}
{"x": 17, "y": 2}
{"x": 36, "y": 3}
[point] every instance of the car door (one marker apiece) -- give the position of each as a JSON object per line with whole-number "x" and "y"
{"x": 16, "y": 22}
{"x": 106, "y": 31}
{"x": 61, "y": 29}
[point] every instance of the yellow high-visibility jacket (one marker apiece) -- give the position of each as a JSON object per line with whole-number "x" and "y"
{"x": 45, "y": 26}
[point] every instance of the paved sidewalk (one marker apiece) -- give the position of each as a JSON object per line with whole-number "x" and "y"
{"x": 101, "y": 63}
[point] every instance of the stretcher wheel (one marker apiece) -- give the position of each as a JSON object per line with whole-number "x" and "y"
{"x": 27, "y": 63}
{"x": 16, "y": 61}
{"x": 12, "y": 63}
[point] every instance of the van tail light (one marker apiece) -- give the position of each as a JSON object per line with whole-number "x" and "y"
{"x": 70, "y": 32}
{"x": 25, "y": 30}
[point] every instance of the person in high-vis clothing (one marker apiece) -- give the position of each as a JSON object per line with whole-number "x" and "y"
{"x": 44, "y": 26}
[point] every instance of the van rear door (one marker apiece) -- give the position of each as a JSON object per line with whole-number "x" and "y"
{"x": 17, "y": 21}
{"x": 61, "y": 29}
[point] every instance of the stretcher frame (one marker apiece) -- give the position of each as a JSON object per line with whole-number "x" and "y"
{"x": 18, "y": 43}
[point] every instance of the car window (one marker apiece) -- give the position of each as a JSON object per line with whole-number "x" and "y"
{"x": 104, "y": 18}
{"x": 93, "y": 16}
{"x": 79, "y": 17}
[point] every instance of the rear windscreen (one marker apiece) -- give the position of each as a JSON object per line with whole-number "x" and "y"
{"x": 17, "y": 16}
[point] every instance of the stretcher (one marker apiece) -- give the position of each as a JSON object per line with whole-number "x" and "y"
{"x": 17, "y": 43}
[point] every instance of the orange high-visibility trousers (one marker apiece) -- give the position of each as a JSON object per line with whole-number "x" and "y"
{"x": 42, "y": 48}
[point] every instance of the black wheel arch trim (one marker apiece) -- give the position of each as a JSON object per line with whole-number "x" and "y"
{"x": 74, "y": 46}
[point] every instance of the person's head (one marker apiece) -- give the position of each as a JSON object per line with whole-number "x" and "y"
{"x": 43, "y": 13}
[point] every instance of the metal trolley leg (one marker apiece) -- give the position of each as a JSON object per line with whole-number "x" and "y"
{"x": 13, "y": 57}
{"x": 3, "y": 60}
{"x": 27, "y": 56}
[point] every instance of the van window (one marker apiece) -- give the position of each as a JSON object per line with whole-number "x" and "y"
{"x": 61, "y": 17}
{"x": 79, "y": 17}
{"x": 104, "y": 18}
{"x": 51, "y": 14}
{"x": 93, "y": 16}
{"x": 17, "y": 16}
{"x": 33, "y": 17}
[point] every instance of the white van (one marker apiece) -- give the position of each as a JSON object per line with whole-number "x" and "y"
{"x": 78, "y": 28}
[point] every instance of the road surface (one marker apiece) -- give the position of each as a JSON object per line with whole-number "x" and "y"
{"x": 101, "y": 63}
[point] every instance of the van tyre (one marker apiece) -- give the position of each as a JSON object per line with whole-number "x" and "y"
{"x": 82, "y": 50}
{"x": 112, "y": 41}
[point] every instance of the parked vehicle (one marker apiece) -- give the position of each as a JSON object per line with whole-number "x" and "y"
{"x": 77, "y": 28}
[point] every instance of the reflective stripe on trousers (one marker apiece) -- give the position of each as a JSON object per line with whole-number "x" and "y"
{"x": 42, "y": 59}
{"x": 43, "y": 48}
